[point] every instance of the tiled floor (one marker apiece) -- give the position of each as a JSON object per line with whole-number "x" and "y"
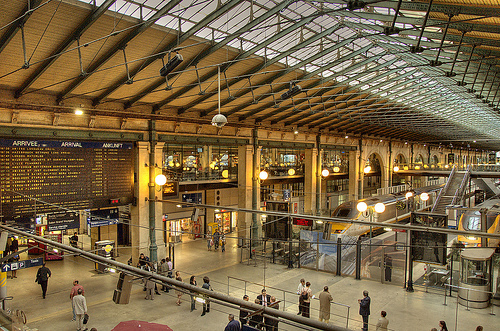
{"x": 406, "y": 311}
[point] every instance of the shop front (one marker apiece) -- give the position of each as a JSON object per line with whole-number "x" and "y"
{"x": 182, "y": 229}
{"x": 226, "y": 220}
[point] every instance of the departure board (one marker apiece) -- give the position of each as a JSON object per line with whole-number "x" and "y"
{"x": 38, "y": 177}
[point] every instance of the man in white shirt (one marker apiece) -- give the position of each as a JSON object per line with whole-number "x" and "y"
{"x": 80, "y": 308}
{"x": 383, "y": 322}
{"x": 300, "y": 288}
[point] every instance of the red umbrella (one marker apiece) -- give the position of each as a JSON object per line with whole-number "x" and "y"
{"x": 140, "y": 326}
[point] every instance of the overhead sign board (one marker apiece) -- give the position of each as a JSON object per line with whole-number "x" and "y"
{"x": 22, "y": 264}
{"x": 63, "y": 220}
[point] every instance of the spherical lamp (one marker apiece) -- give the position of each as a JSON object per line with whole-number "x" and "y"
{"x": 325, "y": 173}
{"x": 361, "y": 206}
{"x": 160, "y": 180}
{"x": 379, "y": 207}
{"x": 263, "y": 175}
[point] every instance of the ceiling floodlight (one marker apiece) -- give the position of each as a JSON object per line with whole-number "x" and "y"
{"x": 362, "y": 206}
{"x": 294, "y": 90}
{"x": 171, "y": 64}
{"x": 218, "y": 120}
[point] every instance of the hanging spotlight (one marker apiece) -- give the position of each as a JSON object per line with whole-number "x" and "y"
{"x": 294, "y": 90}
{"x": 219, "y": 120}
{"x": 171, "y": 64}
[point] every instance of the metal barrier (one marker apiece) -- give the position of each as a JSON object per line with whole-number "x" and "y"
{"x": 467, "y": 299}
{"x": 284, "y": 292}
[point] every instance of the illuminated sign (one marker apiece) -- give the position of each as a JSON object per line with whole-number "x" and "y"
{"x": 302, "y": 221}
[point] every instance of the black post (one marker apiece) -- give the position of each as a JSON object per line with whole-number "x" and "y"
{"x": 451, "y": 273}
{"x": 339, "y": 256}
{"x": 290, "y": 261}
{"x": 409, "y": 285}
{"x": 358, "y": 259}
{"x": 274, "y": 250}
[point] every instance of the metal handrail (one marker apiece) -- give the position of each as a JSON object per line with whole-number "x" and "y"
{"x": 461, "y": 189}
{"x": 467, "y": 300}
{"x": 445, "y": 188}
{"x": 285, "y": 291}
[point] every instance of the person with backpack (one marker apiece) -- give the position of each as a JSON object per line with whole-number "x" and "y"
{"x": 306, "y": 296}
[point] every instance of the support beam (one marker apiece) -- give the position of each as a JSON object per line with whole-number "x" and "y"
{"x": 87, "y": 23}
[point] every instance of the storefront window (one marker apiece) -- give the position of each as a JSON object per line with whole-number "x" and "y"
{"x": 335, "y": 161}
{"x": 282, "y": 161}
{"x": 200, "y": 162}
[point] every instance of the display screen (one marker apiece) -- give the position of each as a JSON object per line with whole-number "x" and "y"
{"x": 302, "y": 221}
{"x": 42, "y": 176}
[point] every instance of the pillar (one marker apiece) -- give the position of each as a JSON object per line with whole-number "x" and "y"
{"x": 310, "y": 179}
{"x": 245, "y": 174}
{"x": 354, "y": 175}
{"x": 140, "y": 209}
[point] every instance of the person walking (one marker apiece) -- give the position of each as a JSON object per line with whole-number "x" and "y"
{"x": 42, "y": 278}
{"x": 364, "y": 309}
{"x": 192, "y": 281}
{"x": 233, "y": 324}
{"x": 383, "y": 322}
{"x": 325, "y": 298}
{"x": 223, "y": 243}
{"x": 80, "y": 308}
{"x": 300, "y": 288}
{"x": 243, "y": 312}
{"x": 13, "y": 259}
{"x": 216, "y": 240}
{"x": 74, "y": 291}
{"x": 163, "y": 268}
{"x": 150, "y": 286}
{"x": 206, "y": 285}
{"x": 73, "y": 240}
{"x": 178, "y": 292}
{"x": 209, "y": 242}
{"x": 306, "y": 300}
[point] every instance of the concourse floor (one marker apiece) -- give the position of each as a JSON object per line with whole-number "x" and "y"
{"x": 405, "y": 311}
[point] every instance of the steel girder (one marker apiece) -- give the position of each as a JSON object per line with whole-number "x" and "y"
{"x": 239, "y": 57}
{"x": 182, "y": 38}
{"x": 278, "y": 75}
{"x": 87, "y": 23}
{"x": 211, "y": 49}
{"x": 25, "y": 14}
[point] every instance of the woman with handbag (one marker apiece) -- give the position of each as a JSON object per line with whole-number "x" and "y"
{"x": 80, "y": 307}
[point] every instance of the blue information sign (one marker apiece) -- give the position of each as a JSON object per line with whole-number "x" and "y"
{"x": 22, "y": 264}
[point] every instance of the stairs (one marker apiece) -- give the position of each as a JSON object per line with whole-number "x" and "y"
{"x": 488, "y": 186}
{"x": 453, "y": 191}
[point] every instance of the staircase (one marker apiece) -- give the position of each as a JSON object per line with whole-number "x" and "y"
{"x": 453, "y": 191}
{"x": 488, "y": 186}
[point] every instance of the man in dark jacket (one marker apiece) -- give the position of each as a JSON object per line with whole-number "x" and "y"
{"x": 364, "y": 309}
{"x": 233, "y": 325}
{"x": 42, "y": 278}
{"x": 244, "y": 313}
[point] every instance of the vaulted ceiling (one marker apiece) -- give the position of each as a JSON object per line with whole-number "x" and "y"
{"x": 411, "y": 70}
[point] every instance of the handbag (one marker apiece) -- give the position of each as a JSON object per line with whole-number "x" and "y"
{"x": 85, "y": 318}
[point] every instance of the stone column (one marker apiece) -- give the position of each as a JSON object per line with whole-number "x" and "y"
{"x": 354, "y": 175}
{"x": 160, "y": 243}
{"x": 310, "y": 181}
{"x": 140, "y": 210}
{"x": 245, "y": 174}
